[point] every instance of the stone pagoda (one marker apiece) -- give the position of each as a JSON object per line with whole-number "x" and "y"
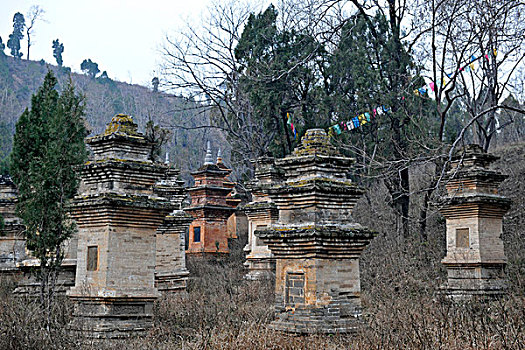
{"x": 315, "y": 242}
{"x": 261, "y": 213}
{"x": 211, "y": 206}
{"x": 12, "y": 242}
{"x": 171, "y": 274}
{"x": 117, "y": 213}
{"x": 473, "y": 210}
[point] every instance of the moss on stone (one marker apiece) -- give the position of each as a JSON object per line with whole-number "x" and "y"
{"x": 122, "y": 123}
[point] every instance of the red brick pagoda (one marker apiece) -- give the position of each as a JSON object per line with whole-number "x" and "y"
{"x": 211, "y": 206}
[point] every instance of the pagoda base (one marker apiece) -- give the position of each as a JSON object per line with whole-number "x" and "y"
{"x": 317, "y": 295}
{"x": 323, "y": 320}
{"x": 476, "y": 281}
{"x": 260, "y": 269}
{"x": 110, "y": 318}
{"x": 172, "y": 282}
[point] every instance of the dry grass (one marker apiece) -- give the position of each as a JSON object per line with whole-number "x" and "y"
{"x": 222, "y": 311}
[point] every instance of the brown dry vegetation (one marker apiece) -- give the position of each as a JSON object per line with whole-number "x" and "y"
{"x": 402, "y": 309}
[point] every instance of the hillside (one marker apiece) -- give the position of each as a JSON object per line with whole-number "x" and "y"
{"x": 104, "y": 98}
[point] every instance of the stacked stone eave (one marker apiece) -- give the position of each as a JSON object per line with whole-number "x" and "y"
{"x": 311, "y": 241}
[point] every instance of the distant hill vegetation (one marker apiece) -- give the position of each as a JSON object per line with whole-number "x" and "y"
{"x": 104, "y": 98}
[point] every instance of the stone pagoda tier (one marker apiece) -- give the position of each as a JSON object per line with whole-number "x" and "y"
{"x": 211, "y": 206}
{"x": 315, "y": 243}
{"x": 261, "y": 213}
{"x": 117, "y": 213}
{"x": 473, "y": 210}
{"x": 12, "y": 242}
{"x": 171, "y": 274}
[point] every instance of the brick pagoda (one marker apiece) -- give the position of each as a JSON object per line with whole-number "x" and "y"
{"x": 473, "y": 210}
{"x": 315, "y": 243}
{"x": 261, "y": 213}
{"x": 211, "y": 206}
{"x": 171, "y": 274}
{"x": 117, "y": 213}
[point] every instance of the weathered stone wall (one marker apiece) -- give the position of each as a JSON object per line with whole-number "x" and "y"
{"x": 171, "y": 274}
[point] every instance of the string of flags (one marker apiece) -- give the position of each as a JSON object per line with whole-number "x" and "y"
{"x": 366, "y": 117}
{"x": 425, "y": 89}
{"x": 357, "y": 121}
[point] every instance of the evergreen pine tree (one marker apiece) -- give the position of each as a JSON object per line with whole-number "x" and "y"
{"x": 48, "y": 144}
{"x": 14, "y": 39}
{"x": 58, "y": 48}
{"x": 90, "y": 68}
{"x": 2, "y": 47}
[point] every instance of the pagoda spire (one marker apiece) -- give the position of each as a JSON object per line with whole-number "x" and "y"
{"x": 219, "y": 156}
{"x": 208, "y": 160}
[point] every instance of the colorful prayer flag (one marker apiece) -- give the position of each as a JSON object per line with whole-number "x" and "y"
{"x": 337, "y": 129}
{"x": 362, "y": 119}
{"x": 367, "y": 116}
{"x": 290, "y": 123}
{"x": 432, "y": 86}
{"x": 356, "y": 122}
{"x": 350, "y": 125}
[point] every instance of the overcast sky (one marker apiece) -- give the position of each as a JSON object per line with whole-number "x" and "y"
{"x": 122, "y": 36}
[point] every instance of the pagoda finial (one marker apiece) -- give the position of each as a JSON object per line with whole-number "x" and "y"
{"x": 208, "y": 160}
{"x": 219, "y": 156}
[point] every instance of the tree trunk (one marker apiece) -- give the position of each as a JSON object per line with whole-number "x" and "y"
{"x": 28, "y": 45}
{"x": 404, "y": 201}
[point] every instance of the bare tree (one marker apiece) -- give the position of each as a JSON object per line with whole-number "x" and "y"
{"x": 34, "y": 14}
{"x": 473, "y": 51}
{"x": 201, "y": 65}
